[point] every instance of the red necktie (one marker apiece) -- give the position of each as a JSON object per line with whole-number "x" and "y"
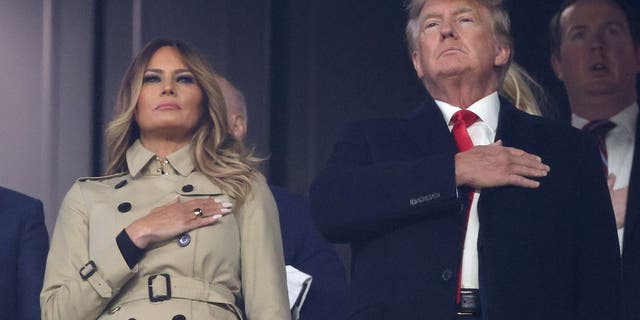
{"x": 599, "y": 130}
{"x": 461, "y": 121}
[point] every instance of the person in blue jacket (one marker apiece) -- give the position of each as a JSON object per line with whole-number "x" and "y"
{"x": 24, "y": 243}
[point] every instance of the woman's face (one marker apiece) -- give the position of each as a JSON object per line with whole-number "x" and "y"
{"x": 170, "y": 102}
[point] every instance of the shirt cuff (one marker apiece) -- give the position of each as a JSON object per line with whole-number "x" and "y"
{"x": 130, "y": 252}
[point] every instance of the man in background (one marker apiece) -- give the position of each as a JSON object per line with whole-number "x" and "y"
{"x": 596, "y": 53}
{"x": 24, "y": 243}
{"x": 304, "y": 247}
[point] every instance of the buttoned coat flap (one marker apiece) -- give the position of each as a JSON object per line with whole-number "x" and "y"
{"x": 198, "y": 185}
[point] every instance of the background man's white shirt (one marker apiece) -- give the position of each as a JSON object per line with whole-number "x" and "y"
{"x": 620, "y": 144}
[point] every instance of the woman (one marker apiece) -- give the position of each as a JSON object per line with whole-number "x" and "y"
{"x": 184, "y": 227}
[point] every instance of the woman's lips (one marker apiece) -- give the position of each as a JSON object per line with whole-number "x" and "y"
{"x": 168, "y": 106}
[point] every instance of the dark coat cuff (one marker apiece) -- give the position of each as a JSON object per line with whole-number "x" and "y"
{"x": 130, "y": 252}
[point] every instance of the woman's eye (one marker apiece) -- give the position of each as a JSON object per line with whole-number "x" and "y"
{"x": 151, "y": 78}
{"x": 185, "y": 79}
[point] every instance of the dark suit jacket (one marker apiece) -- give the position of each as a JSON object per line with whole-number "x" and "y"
{"x": 631, "y": 243}
{"x": 547, "y": 253}
{"x": 24, "y": 243}
{"x": 306, "y": 250}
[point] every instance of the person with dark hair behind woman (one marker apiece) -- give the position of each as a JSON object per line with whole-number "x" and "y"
{"x": 23, "y": 251}
{"x": 184, "y": 226}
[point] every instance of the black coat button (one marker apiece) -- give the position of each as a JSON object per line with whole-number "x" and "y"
{"x": 447, "y": 274}
{"x": 121, "y": 184}
{"x": 124, "y": 207}
{"x": 187, "y": 188}
{"x": 179, "y": 317}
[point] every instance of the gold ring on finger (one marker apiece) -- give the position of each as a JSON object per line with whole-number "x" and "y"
{"x": 197, "y": 212}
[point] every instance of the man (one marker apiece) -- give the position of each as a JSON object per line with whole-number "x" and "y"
{"x": 304, "y": 247}
{"x": 23, "y": 253}
{"x": 596, "y": 53}
{"x": 469, "y": 208}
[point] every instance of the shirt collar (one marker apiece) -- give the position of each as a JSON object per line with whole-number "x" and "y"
{"x": 487, "y": 109}
{"x": 626, "y": 119}
{"x": 138, "y": 157}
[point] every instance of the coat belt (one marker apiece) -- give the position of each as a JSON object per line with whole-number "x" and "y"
{"x": 181, "y": 288}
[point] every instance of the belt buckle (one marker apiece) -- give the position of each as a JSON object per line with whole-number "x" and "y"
{"x": 160, "y": 297}
{"x": 469, "y": 302}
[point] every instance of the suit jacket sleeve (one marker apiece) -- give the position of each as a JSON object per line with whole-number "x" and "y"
{"x": 34, "y": 242}
{"x": 327, "y": 298}
{"x": 358, "y": 195}
{"x": 264, "y": 284}
{"x": 307, "y": 250}
{"x": 598, "y": 266}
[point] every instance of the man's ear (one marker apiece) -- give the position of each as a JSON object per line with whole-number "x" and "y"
{"x": 556, "y": 65}
{"x": 502, "y": 56}
{"x": 417, "y": 64}
{"x": 238, "y": 127}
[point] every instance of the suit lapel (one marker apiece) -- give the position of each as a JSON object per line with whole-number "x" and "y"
{"x": 515, "y": 132}
{"x": 428, "y": 131}
{"x": 633, "y": 201}
{"x": 511, "y": 130}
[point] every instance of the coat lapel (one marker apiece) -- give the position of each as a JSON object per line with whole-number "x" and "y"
{"x": 515, "y": 131}
{"x": 511, "y": 129}
{"x": 428, "y": 131}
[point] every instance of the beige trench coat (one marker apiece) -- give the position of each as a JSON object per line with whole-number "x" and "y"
{"x": 208, "y": 271}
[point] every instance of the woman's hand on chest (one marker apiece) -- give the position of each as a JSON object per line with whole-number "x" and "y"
{"x": 169, "y": 220}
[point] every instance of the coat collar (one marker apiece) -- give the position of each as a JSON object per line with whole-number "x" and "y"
{"x": 139, "y": 157}
{"x": 514, "y": 129}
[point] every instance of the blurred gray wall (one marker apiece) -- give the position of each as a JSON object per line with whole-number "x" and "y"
{"x": 45, "y": 118}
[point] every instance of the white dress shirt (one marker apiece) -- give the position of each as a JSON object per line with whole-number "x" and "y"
{"x": 482, "y": 132}
{"x": 620, "y": 142}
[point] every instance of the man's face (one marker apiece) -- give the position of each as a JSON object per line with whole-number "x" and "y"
{"x": 597, "y": 54}
{"x": 456, "y": 39}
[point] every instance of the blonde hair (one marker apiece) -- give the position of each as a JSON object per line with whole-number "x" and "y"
{"x": 521, "y": 89}
{"x": 220, "y": 157}
{"x": 517, "y": 85}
